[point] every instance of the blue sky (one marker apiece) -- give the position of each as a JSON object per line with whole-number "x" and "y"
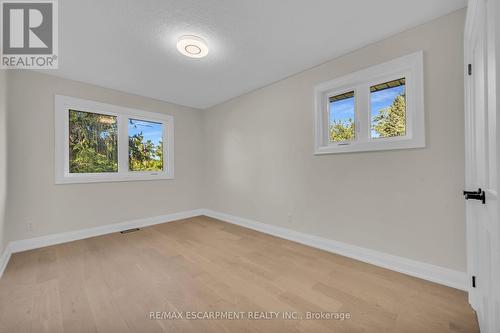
{"x": 342, "y": 110}
{"x": 383, "y": 99}
{"x": 150, "y": 131}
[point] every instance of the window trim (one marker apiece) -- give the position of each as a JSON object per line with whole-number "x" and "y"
{"x": 411, "y": 68}
{"x": 62, "y": 175}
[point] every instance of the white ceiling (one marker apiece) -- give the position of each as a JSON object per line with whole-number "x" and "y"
{"x": 129, "y": 45}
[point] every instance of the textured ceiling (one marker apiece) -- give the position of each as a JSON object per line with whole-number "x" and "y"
{"x": 129, "y": 45}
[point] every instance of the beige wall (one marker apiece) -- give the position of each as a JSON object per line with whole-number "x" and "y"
{"x": 3, "y": 155}
{"x": 34, "y": 198}
{"x": 260, "y": 163}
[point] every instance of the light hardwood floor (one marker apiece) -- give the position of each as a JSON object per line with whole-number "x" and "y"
{"x": 111, "y": 283}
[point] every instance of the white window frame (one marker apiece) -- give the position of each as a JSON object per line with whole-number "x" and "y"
{"x": 62, "y": 175}
{"x": 411, "y": 68}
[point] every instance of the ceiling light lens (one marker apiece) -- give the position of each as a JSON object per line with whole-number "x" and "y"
{"x": 192, "y": 46}
{"x": 192, "y": 49}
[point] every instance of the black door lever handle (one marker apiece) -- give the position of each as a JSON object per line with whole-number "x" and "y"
{"x": 479, "y": 191}
{"x": 476, "y": 195}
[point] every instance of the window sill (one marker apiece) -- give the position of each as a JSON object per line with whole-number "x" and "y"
{"x": 107, "y": 178}
{"x": 386, "y": 144}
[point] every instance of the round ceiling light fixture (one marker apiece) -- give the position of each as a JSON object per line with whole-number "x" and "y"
{"x": 192, "y": 46}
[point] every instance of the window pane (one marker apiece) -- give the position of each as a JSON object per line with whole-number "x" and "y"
{"x": 388, "y": 109}
{"x": 341, "y": 117}
{"x": 93, "y": 142}
{"x": 145, "y": 145}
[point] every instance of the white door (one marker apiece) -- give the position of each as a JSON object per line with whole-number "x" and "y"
{"x": 481, "y": 165}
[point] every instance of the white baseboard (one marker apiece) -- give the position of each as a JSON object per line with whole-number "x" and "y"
{"x": 64, "y": 237}
{"x": 441, "y": 275}
{"x": 437, "y": 274}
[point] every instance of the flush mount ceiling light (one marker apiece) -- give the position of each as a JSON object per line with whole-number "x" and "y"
{"x": 192, "y": 46}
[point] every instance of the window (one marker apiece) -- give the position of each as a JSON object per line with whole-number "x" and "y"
{"x": 378, "y": 108}
{"x": 145, "y": 145}
{"x": 93, "y": 142}
{"x": 341, "y": 118}
{"x": 388, "y": 109}
{"x": 98, "y": 142}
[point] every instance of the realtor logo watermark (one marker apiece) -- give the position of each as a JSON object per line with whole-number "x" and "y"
{"x": 29, "y": 34}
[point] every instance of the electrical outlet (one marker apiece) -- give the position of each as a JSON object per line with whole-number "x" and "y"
{"x": 29, "y": 227}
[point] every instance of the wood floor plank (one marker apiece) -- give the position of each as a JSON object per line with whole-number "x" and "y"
{"x": 112, "y": 283}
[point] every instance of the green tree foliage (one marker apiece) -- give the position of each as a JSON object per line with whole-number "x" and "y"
{"x": 391, "y": 121}
{"x": 144, "y": 155}
{"x": 93, "y": 143}
{"x": 341, "y": 131}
